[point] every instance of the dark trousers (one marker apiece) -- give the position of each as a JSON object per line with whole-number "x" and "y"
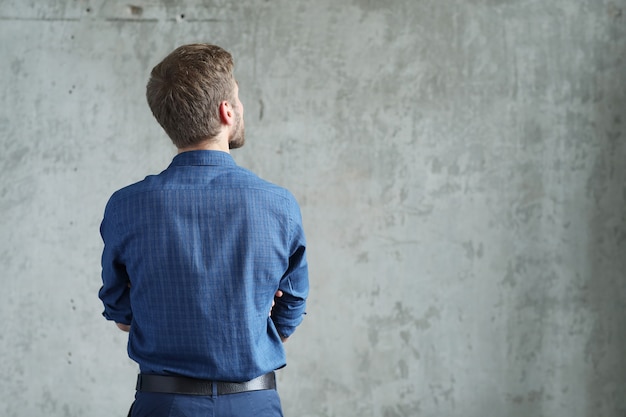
{"x": 265, "y": 403}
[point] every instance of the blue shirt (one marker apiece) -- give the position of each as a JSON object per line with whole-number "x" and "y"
{"x": 192, "y": 259}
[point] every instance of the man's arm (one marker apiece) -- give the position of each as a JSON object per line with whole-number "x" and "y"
{"x": 289, "y": 309}
{"x": 115, "y": 290}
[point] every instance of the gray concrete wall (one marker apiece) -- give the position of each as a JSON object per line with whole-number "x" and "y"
{"x": 461, "y": 167}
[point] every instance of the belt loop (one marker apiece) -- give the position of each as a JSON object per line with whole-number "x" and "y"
{"x": 214, "y": 388}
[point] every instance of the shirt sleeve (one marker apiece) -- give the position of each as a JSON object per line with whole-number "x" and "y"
{"x": 115, "y": 291}
{"x": 289, "y": 310}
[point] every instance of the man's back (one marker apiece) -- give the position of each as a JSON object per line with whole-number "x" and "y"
{"x": 205, "y": 245}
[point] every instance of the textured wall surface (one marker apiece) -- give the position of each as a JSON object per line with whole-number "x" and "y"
{"x": 461, "y": 167}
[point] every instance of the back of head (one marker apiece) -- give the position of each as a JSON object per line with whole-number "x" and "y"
{"x": 185, "y": 90}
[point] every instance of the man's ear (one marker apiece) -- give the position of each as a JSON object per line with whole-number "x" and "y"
{"x": 227, "y": 114}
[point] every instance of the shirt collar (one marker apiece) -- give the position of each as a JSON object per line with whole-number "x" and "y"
{"x": 190, "y": 158}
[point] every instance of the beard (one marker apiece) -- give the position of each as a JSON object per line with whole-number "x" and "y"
{"x": 237, "y": 136}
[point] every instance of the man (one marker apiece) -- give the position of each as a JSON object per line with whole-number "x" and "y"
{"x": 204, "y": 264}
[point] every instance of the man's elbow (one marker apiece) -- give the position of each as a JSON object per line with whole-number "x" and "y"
{"x": 123, "y": 327}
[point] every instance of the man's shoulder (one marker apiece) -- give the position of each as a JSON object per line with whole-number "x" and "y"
{"x": 251, "y": 180}
{"x": 234, "y": 177}
{"x": 139, "y": 187}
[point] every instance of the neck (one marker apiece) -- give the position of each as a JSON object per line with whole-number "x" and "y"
{"x": 219, "y": 143}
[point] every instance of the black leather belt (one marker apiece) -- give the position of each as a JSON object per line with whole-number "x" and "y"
{"x": 167, "y": 384}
